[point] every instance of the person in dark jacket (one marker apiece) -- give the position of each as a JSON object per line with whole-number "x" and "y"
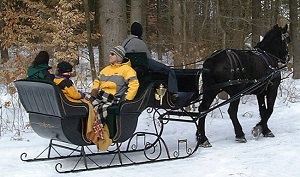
{"x": 134, "y": 43}
{"x": 39, "y": 68}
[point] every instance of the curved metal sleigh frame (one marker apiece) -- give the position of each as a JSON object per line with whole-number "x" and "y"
{"x": 53, "y": 117}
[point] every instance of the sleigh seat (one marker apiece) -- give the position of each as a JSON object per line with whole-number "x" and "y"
{"x": 187, "y": 79}
{"x": 53, "y": 116}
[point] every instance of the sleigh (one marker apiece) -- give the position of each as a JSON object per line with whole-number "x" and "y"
{"x": 54, "y": 117}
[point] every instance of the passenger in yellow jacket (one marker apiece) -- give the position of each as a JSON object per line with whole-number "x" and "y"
{"x": 118, "y": 78}
{"x": 116, "y": 82}
{"x": 62, "y": 79}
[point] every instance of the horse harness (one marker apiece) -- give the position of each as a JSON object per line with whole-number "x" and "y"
{"x": 238, "y": 70}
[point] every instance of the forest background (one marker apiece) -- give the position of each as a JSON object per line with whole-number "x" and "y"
{"x": 178, "y": 32}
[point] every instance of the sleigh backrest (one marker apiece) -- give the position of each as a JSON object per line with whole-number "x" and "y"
{"x": 51, "y": 114}
{"x": 39, "y": 97}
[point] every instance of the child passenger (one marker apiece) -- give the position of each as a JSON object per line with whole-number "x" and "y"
{"x": 62, "y": 79}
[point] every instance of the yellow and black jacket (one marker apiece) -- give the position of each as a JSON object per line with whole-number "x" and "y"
{"x": 68, "y": 89}
{"x": 118, "y": 79}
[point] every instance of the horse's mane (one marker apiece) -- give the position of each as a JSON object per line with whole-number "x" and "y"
{"x": 268, "y": 37}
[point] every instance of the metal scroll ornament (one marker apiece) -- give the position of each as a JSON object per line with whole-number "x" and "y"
{"x": 160, "y": 93}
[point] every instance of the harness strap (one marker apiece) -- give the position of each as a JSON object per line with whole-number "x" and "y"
{"x": 275, "y": 73}
{"x": 237, "y": 68}
{"x": 235, "y": 63}
{"x": 230, "y": 83}
{"x": 246, "y": 91}
{"x": 263, "y": 55}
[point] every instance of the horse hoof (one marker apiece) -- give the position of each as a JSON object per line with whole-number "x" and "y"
{"x": 256, "y": 131}
{"x": 206, "y": 144}
{"x": 270, "y": 134}
{"x": 241, "y": 140}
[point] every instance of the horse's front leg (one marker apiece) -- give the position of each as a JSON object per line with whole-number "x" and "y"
{"x": 265, "y": 112}
{"x": 232, "y": 111}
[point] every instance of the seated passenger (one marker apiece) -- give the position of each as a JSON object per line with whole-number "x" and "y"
{"x": 39, "y": 68}
{"x": 116, "y": 82}
{"x": 134, "y": 43}
{"x": 62, "y": 79}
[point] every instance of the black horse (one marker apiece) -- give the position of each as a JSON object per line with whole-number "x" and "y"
{"x": 240, "y": 72}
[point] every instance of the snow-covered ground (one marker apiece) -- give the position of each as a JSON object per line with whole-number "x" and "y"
{"x": 262, "y": 157}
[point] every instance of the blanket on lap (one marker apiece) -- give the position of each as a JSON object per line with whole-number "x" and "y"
{"x": 98, "y": 132}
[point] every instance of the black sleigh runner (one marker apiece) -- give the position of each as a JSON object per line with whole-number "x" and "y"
{"x": 170, "y": 130}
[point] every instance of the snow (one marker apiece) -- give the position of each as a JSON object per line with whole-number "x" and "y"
{"x": 262, "y": 157}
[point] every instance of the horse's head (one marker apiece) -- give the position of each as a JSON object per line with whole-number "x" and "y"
{"x": 275, "y": 42}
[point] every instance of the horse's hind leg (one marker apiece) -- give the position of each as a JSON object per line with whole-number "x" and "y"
{"x": 232, "y": 111}
{"x": 208, "y": 98}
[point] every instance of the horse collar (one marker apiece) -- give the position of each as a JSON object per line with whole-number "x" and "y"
{"x": 264, "y": 56}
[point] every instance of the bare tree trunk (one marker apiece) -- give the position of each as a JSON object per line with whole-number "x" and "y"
{"x": 3, "y": 51}
{"x": 222, "y": 95}
{"x": 4, "y": 55}
{"x": 177, "y": 28}
{"x": 275, "y": 10}
{"x": 100, "y": 43}
{"x": 144, "y": 18}
{"x": 89, "y": 38}
{"x": 219, "y": 24}
{"x": 295, "y": 36}
{"x": 158, "y": 35}
{"x": 184, "y": 25}
{"x": 97, "y": 29}
{"x": 192, "y": 48}
{"x": 113, "y": 25}
{"x": 136, "y": 11}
